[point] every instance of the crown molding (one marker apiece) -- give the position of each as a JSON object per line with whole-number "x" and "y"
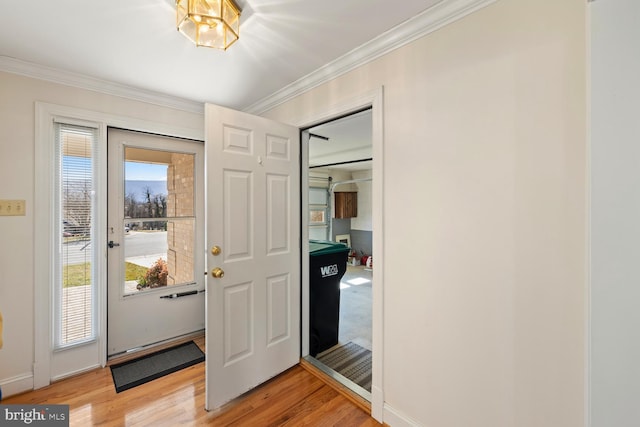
{"x": 432, "y": 19}
{"x": 28, "y": 69}
{"x": 437, "y": 16}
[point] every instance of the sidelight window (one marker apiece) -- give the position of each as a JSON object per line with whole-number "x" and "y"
{"x": 75, "y": 266}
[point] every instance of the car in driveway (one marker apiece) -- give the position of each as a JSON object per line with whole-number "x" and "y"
{"x": 70, "y": 229}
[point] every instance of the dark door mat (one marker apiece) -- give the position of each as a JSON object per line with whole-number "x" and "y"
{"x": 155, "y": 365}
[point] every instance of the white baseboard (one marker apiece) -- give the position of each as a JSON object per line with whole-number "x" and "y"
{"x": 377, "y": 404}
{"x": 394, "y": 418}
{"x": 70, "y": 374}
{"x": 16, "y": 385}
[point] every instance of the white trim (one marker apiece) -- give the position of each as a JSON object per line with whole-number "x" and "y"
{"x": 41, "y": 72}
{"x": 43, "y": 252}
{"x": 430, "y": 20}
{"x": 73, "y": 373}
{"x": 373, "y": 99}
{"x": 394, "y": 418}
{"x": 16, "y": 385}
{"x": 50, "y": 364}
{"x": 377, "y": 402}
{"x": 44, "y": 367}
{"x": 588, "y": 266}
{"x": 304, "y": 242}
{"x": 377, "y": 134}
{"x": 124, "y": 122}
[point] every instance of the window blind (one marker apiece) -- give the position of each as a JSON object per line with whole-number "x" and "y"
{"x": 75, "y": 311}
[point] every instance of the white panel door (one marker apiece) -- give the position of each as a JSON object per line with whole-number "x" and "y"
{"x": 253, "y": 216}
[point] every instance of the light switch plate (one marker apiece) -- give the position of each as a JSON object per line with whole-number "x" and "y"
{"x": 12, "y": 208}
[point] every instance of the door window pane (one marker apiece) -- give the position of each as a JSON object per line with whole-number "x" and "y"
{"x": 158, "y": 220}
{"x": 318, "y": 213}
{"x": 318, "y": 233}
{"x": 317, "y": 216}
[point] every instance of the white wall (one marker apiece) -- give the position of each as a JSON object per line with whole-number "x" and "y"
{"x": 485, "y": 215}
{"x": 17, "y": 264}
{"x": 342, "y": 175}
{"x": 364, "y": 220}
{"x": 615, "y": 210}
{"x": 485, "y": 135}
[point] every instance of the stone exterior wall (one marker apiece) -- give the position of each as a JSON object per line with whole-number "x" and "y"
{"x": 180, "y": 204}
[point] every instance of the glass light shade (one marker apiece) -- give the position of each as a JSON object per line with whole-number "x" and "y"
{"x": 210, "y": 23}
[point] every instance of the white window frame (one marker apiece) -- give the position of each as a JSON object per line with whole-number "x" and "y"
{"x": 49, "y": 364}
{"x": 52, "y": 363}
{"x": 97, "y": 261}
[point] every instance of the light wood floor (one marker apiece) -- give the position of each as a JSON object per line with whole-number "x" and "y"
{"x": 295, "y": 398}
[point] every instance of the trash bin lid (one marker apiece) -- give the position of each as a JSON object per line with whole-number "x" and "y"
{"x": 324, "y": 247}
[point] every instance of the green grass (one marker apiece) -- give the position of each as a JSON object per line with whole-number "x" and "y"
{"x": 80, "y": 274}
{"x": 76, "y": 238}
{"x": 76, "y": 275}
{"x": 134, "y": 271}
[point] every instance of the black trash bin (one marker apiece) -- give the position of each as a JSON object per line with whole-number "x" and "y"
{"x": 327, "y": 265}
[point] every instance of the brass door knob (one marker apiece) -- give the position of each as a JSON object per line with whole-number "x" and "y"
{"x": 217, "y": 272}
{"x": 216, "y": 250}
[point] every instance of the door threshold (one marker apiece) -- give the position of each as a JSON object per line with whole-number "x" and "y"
{"x": 340, "y": 383}
{"x": 137, "y": 352}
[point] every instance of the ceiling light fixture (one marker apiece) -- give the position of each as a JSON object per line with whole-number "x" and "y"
{"x": 210, "y": 23}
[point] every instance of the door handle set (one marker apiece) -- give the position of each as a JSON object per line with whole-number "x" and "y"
{"x": 112, "y": 244}
{"x": 217, "y": 272}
